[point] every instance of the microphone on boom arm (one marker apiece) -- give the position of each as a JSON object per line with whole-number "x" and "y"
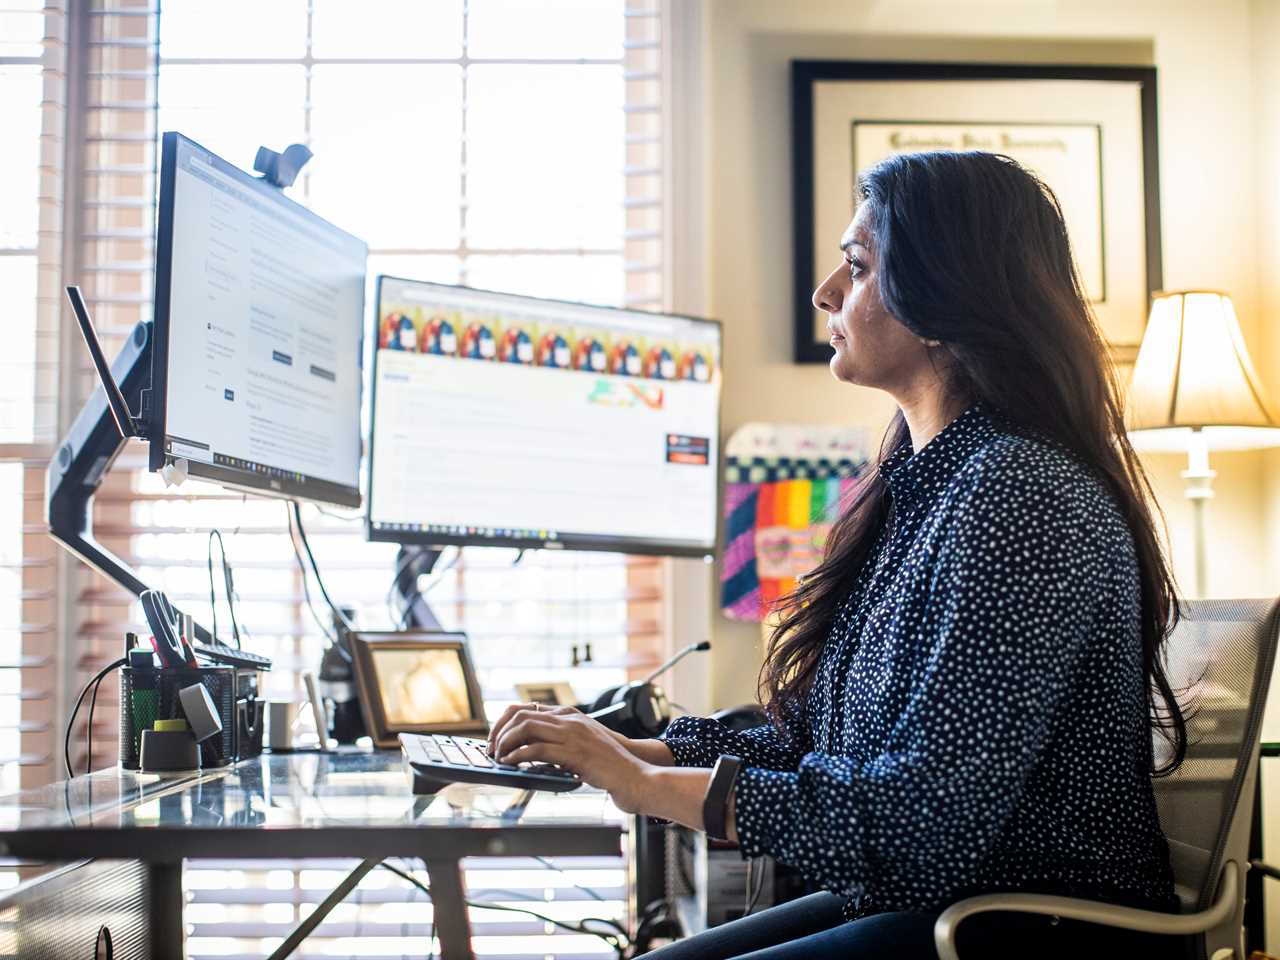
{"x": 639, "y": 709}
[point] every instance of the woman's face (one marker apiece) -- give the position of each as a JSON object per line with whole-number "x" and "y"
{"x": 872, "y": 347}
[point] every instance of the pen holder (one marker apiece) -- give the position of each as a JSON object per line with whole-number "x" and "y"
{"x": 148, "y": 694}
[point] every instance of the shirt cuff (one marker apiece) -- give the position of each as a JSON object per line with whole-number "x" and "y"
{"x": 688, "y": 749}
{"x": 761, "y": 809}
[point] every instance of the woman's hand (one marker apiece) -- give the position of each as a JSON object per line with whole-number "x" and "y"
{"x": 572, "y": 740}
{"x": 501, "y": 723}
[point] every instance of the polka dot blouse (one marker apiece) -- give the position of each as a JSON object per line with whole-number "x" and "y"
{"x": 977, "y": 722}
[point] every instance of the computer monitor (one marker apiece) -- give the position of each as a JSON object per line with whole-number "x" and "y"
{"x": 259, "y": 315}
{"x": 516, "y": 421}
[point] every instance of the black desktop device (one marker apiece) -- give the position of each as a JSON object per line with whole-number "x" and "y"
{"x": 436, "y": 760}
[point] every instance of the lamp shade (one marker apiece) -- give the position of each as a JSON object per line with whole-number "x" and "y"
{"x": 1193, "y": 372}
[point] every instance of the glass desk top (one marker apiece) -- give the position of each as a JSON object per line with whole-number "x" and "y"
{"x": 298, "y": 804}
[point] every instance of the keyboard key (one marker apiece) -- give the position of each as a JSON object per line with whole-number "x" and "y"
{"x": 453, "y": 755}
{"x": 477, "y": 757}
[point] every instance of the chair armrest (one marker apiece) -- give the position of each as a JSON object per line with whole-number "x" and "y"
{"x": 1266, "y": 869}
{"x": 1129, "y": 918}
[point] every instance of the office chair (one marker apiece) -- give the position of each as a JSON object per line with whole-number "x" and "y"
{"x": 1221, "y": 654}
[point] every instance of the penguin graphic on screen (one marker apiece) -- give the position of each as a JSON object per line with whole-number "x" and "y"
{"x": 659, "y": 364}
{"x": 516, "y": 347}
{"x": 624, "y": 359}
{"x": 590, "y": 355}
{"x": 441, "y": 338}
{"x": 694, "y": 366}
{"x": 407, "y": 336}
{"x": 553, "y": 351}
{"x": 389, "y": 335}
{"x": 478, "y": 342}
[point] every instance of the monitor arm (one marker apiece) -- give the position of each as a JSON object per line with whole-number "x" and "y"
{"x": 411, "y": 563}
{"x": 85, "y": 455}
{"x": 89, "y": 449}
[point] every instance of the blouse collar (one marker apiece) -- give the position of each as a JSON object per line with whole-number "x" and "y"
{"x": 930, "y": 469}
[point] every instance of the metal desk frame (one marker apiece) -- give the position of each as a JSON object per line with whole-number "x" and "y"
{"x": 441, "y": 846}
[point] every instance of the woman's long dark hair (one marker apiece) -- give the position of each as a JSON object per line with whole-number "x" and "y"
{"x": 972, "y": 250}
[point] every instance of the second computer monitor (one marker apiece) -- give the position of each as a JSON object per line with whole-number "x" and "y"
{"x": 516, "y": 421}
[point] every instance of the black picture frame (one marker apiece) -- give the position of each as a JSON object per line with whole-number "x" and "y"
{"x": 806, "y": 73}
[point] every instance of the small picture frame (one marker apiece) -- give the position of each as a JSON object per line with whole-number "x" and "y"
{"x": 555, "y": 693}
{"x": 416, "y": 682}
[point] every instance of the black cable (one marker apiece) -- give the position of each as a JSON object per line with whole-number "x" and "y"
{"x": 579, "y": 927}
{"x": 657, "y": 913}
{"x": 306, "y": 589}
{"x": 88, "y": 733}
{"x": 551, "y": 866}
{"x": 66, "y": 740}
{"x": 213, "y": 600}
{"x": 228, "y": 584}
{"x": 402, "y": 564}
{"x": 655, "y": 920}
{"x": 306, "y": 545}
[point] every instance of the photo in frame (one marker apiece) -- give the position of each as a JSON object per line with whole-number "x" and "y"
{"x": 1088, "y": 132}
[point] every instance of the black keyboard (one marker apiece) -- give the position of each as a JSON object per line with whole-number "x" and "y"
{"x": 436, "y": 759}
{"x": 220, "y": 652}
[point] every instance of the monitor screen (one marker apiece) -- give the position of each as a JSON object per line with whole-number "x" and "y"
{"x": 508, "y": 420}
{"x": 259, "y": 315}
{"x": 421, "y": 686}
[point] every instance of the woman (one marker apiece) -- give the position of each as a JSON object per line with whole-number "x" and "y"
{"x": 962, "y": 692}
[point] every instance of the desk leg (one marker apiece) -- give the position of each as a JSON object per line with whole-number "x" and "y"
{"x": 317, "y": 916}
{"x": 168, "y": 933}
{"x": 448, "y": 903}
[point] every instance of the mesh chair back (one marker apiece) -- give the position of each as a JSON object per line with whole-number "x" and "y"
{"x": 1219, "y": 661}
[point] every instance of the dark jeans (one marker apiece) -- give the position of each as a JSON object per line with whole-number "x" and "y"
{"x": 811, "y": 928}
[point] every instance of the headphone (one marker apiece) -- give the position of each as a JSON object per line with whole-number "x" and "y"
{"x": 639, "y": 709}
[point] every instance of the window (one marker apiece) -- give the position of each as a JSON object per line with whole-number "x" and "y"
{"x": 29, "y": 94}
{"x": 490, "y": 142}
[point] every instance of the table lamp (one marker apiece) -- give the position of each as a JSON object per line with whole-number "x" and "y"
{"x": 1193, "y": 389}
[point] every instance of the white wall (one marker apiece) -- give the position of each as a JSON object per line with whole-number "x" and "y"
{"x": 1204, "y": 54}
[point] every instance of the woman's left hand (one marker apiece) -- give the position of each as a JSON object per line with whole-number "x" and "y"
{"x": 579, "y": 744}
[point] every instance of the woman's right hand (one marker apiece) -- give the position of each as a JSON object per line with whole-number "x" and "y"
{"x": 513, "y": 711}
{"x": 651, "y": 751}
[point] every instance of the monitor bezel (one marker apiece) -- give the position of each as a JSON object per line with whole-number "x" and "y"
{"x": 607, "y": 544}
{"x": 364, "y": 644}
{"x": 312, "y": 488}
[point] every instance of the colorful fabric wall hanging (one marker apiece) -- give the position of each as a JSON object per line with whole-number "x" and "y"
{"x": 784, "y": 484}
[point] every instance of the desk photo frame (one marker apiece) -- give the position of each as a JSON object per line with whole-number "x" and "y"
{"x": 384, "y": 730}
{"x": 1088, "y": 132}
